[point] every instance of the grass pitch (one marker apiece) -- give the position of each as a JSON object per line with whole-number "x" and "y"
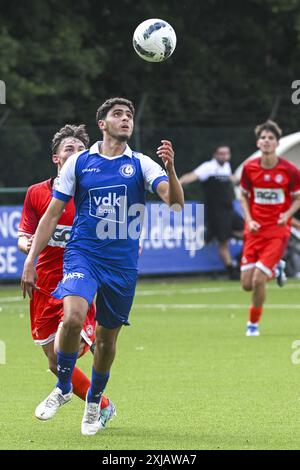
{"x": 185, "y": 376}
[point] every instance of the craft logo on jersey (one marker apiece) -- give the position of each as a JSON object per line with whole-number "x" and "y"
{"x": 127, "y": 170}
{"x": 109, "y": 203}
{"x": 90, "y": 170}
{"x": 269, "y": 196}
{"x": 60, "y": 236}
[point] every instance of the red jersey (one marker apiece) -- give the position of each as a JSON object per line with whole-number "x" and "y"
{"x": 50, "y": 262}
{"x": 270, "y": 193}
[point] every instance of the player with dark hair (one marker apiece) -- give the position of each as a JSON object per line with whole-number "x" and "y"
{"x": 270, "y": 196}
{"x": 46, "y": 313}
{"x": 108, "y": 183}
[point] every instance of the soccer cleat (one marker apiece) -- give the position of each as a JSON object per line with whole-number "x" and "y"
{"x": 280, "y": 274}
{"x": 107, "y": 413}
{"x": 91, "y": 422}
{"x": 48, "y": 407}
{"x": 252, "y": 329}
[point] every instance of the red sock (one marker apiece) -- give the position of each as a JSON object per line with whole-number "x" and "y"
{"x": 81, "y": 384}
{"x": 255, "y": 314}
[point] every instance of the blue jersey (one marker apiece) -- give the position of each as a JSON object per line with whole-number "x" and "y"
{"x": 109, "y": 195}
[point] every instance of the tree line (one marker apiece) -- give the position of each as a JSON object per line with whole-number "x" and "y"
{"x": 233, "y": 66}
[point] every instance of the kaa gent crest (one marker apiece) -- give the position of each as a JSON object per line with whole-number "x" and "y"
{"x": 127, "y": 170}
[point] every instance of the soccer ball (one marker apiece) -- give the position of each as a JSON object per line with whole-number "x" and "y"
{"x": 154, "y": 40}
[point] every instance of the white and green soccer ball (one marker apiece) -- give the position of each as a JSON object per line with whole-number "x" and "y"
{"x": 154, "y": 40}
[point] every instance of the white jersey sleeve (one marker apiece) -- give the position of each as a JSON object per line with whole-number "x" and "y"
{"x": 203, "y": 171}
{"x": 153, "y": 173}
{"x": 213, "y": 169}
{"x": 66, "y": 183}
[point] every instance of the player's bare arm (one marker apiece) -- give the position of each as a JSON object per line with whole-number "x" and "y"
{"x": 24, "y": 242}
{"x": 170, "y": 192}
{"x": 188, "y": 178}
{"x": 285, "y": 216}
{"x": 43, "y": 234}
{"x": 234, "y": 179}
{"x": 253, "y": 226}
{"x": 296, "y": 223}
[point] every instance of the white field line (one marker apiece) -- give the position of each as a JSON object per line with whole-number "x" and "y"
{"x": 214, "y": 306}
{"x": 169, "y": 291}
{"x": 7, "y": 300}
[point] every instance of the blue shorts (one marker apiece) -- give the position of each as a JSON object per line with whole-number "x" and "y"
{"x": 115, "y": 288}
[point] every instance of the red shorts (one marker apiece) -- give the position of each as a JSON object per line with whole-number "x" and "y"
{"x": 263, "y": 253}
{"x": 46, "y": 313}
